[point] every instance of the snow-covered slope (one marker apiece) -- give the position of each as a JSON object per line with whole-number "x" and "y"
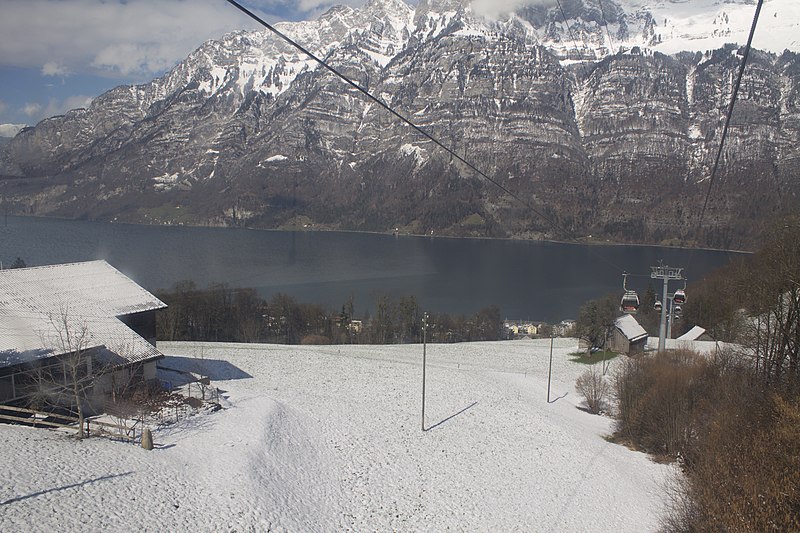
{"x": 700, "y": 25}
{"x": 328, "y": 438}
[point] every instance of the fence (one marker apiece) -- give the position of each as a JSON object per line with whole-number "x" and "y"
{"x": 199, "y": 389}
{"x": 91, "y": 426}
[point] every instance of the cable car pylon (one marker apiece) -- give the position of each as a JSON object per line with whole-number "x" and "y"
{"x": 667, "y": 273}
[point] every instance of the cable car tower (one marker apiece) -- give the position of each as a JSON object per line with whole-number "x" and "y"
{"x": 668, "y": 273}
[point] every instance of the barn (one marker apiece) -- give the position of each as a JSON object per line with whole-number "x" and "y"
{"x": 628, "y": 336}
{"x": 83, "y": 323}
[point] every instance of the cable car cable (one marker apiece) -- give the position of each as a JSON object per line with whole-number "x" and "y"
{"x": 388, "y": 108}
{"x": 574, "y": 40}
{"x": 728, "y": 117}
{"x": 552, "y": 222}
{"x": 605, "y": 23}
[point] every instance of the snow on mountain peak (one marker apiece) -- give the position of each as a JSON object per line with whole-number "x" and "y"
{"x": 381, "y": 29}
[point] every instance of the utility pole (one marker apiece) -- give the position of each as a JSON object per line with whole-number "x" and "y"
{"x": 671, "y": 318}
{"x": 665, "y": 273}
{"x": 424, "y": 350}
{"x": 550, "y": 368}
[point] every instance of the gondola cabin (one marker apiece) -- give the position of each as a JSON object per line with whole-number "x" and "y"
{"x": 657, "y": 306}
{"x": 629, "y": 303}
{"x": 679, "y": 297}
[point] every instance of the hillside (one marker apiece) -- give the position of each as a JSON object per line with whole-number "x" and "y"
{"x": 607, "y": 124}
{"x": 328, "y": 439}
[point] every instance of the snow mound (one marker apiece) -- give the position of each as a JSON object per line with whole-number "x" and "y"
{"x": 328, "y": 438}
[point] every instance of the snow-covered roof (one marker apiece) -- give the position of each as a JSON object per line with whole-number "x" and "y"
{"x": 692, "y": 335}
{"x": 39, "y": 306}
{"x": 95, "y": 286}
{"x": 702, "y": 347}
{"x": 629, "y": 327}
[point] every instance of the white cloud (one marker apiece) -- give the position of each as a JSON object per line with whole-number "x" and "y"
{"x": 51, "y": 68}
{"x": 9, "y": 130}
{"x": 32, "y": 109}
{"x": 301, "y": 7}
{"x": 73, "y": 102}
{"x": 55, "y": 106}
{"x": 125, "y": 37}
{"x": 121, "y": 36}
{"x": 130, "y": 58}
{"x": 499, "y": 8}
{"x": 322, "y": 5}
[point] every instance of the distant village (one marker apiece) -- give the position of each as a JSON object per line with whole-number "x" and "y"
{"x": 522, "y": 329}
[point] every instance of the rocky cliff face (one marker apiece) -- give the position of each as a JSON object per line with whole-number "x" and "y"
{"x": 613, "y": 144}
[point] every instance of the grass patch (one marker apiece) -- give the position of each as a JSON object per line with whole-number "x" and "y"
{"x": 473, "y": 220}
{"x": 596, "y": 357}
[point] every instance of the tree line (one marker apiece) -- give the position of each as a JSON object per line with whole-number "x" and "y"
{"x": 730, "y": 418}
{"x": 220, "y": 313}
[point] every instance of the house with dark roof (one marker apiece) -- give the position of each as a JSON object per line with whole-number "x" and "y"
{"x": 51, "y": 313}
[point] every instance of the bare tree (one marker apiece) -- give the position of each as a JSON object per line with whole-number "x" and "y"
{"x": 594, "y": 387}
{"x": 66, "y": 380}
{"x": 772, "y": 296}
{"x": 596, "y": 322}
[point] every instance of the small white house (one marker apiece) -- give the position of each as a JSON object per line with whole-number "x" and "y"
{"x": 50, "y": 313}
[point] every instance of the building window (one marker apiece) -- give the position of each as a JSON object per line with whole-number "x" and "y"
{"x": 7, "y": 388}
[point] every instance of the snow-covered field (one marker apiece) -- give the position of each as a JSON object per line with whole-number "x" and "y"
{"x": 328, "y": 438}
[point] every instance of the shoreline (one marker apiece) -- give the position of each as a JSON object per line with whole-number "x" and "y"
{"x": 391, "y": 234}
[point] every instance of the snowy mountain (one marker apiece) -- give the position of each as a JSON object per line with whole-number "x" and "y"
{"x": 593, "y": 123}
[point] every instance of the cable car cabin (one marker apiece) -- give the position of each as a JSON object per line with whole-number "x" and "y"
{"x": 629, "y": 303}
{"x": 679, "y": 297}
{"x": 677, "y": 310}
{"x": 657, "y": 306}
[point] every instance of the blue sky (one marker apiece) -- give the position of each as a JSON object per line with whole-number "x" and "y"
{"x": 56, "y": 55}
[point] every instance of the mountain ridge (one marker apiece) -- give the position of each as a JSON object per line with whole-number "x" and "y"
{"x": 247, "y": 131}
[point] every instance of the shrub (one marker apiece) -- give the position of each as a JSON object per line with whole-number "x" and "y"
{"x": 738, "y": 440}
{"x": 745, "y": 475}
{"x": 315, "y": 339}
{"x": 593, "y": 386}
{"x": 656, "y": 401}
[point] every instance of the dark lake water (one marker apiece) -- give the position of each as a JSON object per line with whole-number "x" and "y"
{"x": 527, "y": 280}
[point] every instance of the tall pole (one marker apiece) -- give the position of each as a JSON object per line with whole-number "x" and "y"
{"x": 550, "y": 369}
{"x": 662, "y": 330}
{"x": 671, "y": 318}
{"x": 424, "y": 357}
{"x": 665, "y": 273}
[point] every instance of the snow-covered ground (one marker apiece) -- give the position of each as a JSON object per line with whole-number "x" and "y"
{"x": 328, "y": 438}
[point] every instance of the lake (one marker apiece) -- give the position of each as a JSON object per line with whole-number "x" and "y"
{"x": 527, "y": 280}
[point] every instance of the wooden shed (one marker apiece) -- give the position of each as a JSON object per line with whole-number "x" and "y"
{"x": 628, "y": 336}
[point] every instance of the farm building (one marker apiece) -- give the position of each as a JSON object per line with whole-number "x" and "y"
{"x": 80, "y": 321}
{"x": 628, "y": 336}
{"x": 696, "y": 334}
